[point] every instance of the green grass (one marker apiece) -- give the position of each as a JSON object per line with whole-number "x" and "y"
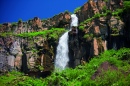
{"x": 42, "y": 33}
{"x": 9, "y": 77}
{"x": 53, "y": 33}
{"x": 5, "y": 34}
{"x": 81, "y": 75}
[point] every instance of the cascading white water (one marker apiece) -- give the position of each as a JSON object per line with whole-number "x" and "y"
{"x": 62, "y": 58}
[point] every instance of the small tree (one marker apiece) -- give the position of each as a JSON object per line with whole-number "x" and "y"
{"x": 20, "y": 21}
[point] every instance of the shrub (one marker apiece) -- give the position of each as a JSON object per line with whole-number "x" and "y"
{"x": 14, "y": 24}
{"x": 77, "y": 9}
{"x": 88, "y": 35}
{"x": 81, "y": 27}
{"x": 20, "y": 20}
{"x": 0, "y": 25}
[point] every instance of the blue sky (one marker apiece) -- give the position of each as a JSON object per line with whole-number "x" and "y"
{"x": 13, "y": 10}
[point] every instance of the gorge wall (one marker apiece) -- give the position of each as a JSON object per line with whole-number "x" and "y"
{"x": 37, "y": 52}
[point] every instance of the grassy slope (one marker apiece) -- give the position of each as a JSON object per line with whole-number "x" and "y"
{"x": 80, "y": 76}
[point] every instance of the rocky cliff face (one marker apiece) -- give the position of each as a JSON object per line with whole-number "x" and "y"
{"x": 97, "y": 32}
{"x": 37, "y": 53}
{"x": 24, "y": 52}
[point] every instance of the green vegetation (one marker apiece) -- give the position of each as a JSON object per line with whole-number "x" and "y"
{"x": 11, "y": 79}
{"x": 43, "y": 20}
{"x": 0, "y": 25}
{"x": 42, "y": 33}
{"x": 116, "y": 13}
{"x": 40, "y": 67}
{"x": 115, "y": 31}
{"x": 81, "y": 75}
{"x": 14, "y": 24}
{"x": 5, "y": 34}
{"x": 52, "y": 33}
{"x": 20, "y": 20}
{"x": 104, "y": 8}
{"x": 126, "y": 7}
{"x": 66, "y": 11}
{"x": 81, "y": 27}
{"x": 88, "y": 36}
{"x": 77, "y": 9}
{"x": 106, "y": 0}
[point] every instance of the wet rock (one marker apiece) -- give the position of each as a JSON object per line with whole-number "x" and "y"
{"x": 74, "y": 53}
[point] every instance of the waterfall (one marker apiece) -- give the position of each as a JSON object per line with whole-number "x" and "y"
{"x": 62, "y": 58}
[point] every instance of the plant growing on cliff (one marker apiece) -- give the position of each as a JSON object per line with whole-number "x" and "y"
{"x": 88, "y": 35}
{"x": 81, "y": 27}
{"x": 42, "y": 33}
{"x": 97, "y": 15}
{"x": 0, "y": 25}
{"x": 41, "y": 68}
{"x": 43, "y": 20}
{"x": 5, "y": 34}
{"x": 104, "y": 8}
{"x": 20, "y": 20}
{"x": 126, "y": 5}
{"x": 77, "y": 9}
{"x": 14, "y": 24}
{"x": 106, "y": 0}
{"x": 117, "y": 12}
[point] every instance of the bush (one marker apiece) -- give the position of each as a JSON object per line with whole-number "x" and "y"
{"x": 81, "y": 27}
{"x": 52, "y": 33}
{"x": 14, "y": 24}
{"x": 77, "y": 9}
{"x": 126, "y": 6}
